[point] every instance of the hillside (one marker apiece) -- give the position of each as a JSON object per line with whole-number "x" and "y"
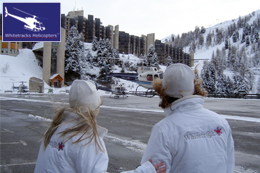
{"x": 235, "y": 42}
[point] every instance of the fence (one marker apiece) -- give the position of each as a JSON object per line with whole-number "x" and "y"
{"x": 244, "y": 96}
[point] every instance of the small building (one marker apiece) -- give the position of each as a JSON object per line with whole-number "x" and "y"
{"x": 36, "y": 85}
{"x": 56, "y": 81}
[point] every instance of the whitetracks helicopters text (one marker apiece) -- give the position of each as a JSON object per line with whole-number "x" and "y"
{"x": 32, "y": 23}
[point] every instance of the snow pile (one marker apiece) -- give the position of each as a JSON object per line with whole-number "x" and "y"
{"x": 14, "y": 70}
{"x": 39, "y": 118}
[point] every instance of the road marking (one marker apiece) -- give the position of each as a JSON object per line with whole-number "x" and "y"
{"x": 12, "y": 143}
{"x": 6, "y": 130}
{"x": 19, "y": 164}
{"x": 133, "y": 145}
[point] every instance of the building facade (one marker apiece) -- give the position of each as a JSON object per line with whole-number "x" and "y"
{"x": 91, "y": 28}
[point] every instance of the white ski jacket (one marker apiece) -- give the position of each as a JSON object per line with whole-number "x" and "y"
{"x": 191, "y": 139}
{"x": 60, "y": 156}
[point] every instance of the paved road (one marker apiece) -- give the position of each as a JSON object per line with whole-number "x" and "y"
{"x": 129, "y": 122}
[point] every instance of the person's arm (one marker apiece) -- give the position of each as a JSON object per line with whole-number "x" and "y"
{"x": 158, "y": 148}
{"x": 147, "y": 167}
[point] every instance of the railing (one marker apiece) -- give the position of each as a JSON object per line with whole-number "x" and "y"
{"x": 244, "y": 96}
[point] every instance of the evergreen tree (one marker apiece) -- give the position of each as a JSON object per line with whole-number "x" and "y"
{"x": 226, "y": 44}
{"x": 94, "y": 44}
{"x": 209, "y": 78}
{"x": 240, "y": 85}
{"x": 258, "y": 86}
{"x": 74, "y": 55}
{"x": 221, "y": 85}
{"x": 235, "y": 37}
{"x": 257, "y": 56}
{"x": 208, "y": 40}
{"x": 152, "y": 58}
{"x": 243, "y": 38}
{"x": 89, "y": 58}
{"x": 232, "y": 57}
{"x": 202, "y": 30}
{"x": 219, "y": 36}
{"x": 247, "y": 41}
{"x": 169, "y": 61}
{"x": 229, "y": 86}
{"x": 201, "y": 40}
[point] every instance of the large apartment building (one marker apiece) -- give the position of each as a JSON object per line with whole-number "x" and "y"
{"x": 92, "y": 27}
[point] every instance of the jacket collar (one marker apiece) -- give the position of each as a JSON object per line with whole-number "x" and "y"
{"x": 192, "y": 99}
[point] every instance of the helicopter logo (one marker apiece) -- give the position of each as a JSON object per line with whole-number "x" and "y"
{"x": 32, "y": 23}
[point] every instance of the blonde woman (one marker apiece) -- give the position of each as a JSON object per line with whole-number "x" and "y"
{"x": 190, "y": 138}
{"x": 74, "y": 142}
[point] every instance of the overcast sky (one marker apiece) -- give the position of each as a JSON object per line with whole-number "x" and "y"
{"x": 162, "y": 17}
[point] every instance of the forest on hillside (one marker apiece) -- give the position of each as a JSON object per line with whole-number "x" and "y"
{"x": 238, "y": 51}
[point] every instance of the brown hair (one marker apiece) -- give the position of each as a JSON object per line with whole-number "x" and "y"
{"x": 167, "y": 100}
{"x": 85, "y": 122}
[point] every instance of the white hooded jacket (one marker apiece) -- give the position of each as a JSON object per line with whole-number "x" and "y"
{"x": 192, "y": 139}
{"x": 61, "y": 156}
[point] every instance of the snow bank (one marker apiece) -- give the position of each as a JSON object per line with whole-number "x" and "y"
{"x": 13, "y": 70}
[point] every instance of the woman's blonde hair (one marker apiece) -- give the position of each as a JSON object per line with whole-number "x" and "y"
{"x": 167, "y": 100}
{"x": 86, "y": 126}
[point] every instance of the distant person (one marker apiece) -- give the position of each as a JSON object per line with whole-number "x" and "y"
{"x": 74, "y": 142}
{"x": 190, "y": 139}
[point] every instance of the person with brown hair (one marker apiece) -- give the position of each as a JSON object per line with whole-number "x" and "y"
{"x": 74, "y": 141}
{"x": 190, "y": 138}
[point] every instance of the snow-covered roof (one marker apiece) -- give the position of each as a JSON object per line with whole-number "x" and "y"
{"x": 38, "y": 46}
{"x": 55, "y": 75}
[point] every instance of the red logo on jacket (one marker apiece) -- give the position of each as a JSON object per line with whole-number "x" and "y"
{"x": 218, "y": 131}
{"x": 61, "y": 145}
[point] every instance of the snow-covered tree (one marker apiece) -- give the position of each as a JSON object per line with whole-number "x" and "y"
{"x": 232, "y": 56}
{"x": 168, "y": 61}
{"x": 247, "y": 41}
{"x": 226, "y": 44}
{"x": 219, "y": 36}
{"x": 202, "y": 30}
{"x": 208, "y": 40}
{"x": 240, "y": 85}
{"x": 235, "y": 37}
{"x": 221, "y": 85}
{"x": 229, "y": 86}
{"x": 152, "y": 58}
{"x": 256, "y": 57}
{"x": 94, "y": 44}
{"x": 74, "y": 55}
{"x": 209, "y": 78}
{"x": 258, "y": 86}
{"x": 201, "y": 40}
